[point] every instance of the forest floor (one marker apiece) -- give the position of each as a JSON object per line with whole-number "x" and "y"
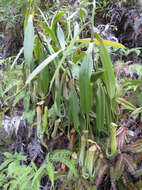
{"x": 121, "y": 24}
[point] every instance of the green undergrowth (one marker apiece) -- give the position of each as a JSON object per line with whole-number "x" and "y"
{"x": 63, "y": 88}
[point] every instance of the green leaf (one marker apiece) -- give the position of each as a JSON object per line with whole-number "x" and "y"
{"x": 29, "y": 40}
{"x": 121, "y": 185}
{"x": 16, "y": 156}
{"x": 38, "y": 175}
{"x": 108, "y": 114}
{"x": 29, "y": 115}
{"x": 27, "y": 99}
{"x": 5, "y": 163}
{"x": 58, "y": 93}
{"x": 17, "y": 57}
{"x": 42, "y": 66}
{"x": 68, "y": 162}
{"x": 18, "y": 98}
{"x": 109, "y": 77}
{"x": 65, "y": 54}
{"x": 43, "y": 78}
{"x": 96, "y": 75}
{"x": 26, "y": 18}
{"x": 85, "y": 83}
{"x": 45, "y": 121}
{"x": 61, "y": 37}
{"x": 50, "y": 172}
{"x": 100, "y": 108}
{"x": 3, "y": 179}
{"x": 74, "y": 108}
{"x": 50, "y": 32}
{"x": 126, "y": 104}
{"x": 82, "y": 12}
{"x": 12, "y": 83}
{"x": 59, "y": 154}
{"x": 58, "y": 17}
{"x": 136, "y": 111}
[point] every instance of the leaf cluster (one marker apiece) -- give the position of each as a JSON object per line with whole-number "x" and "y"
{"x": 15, "y": 174}
{"x": 71, "y": 91}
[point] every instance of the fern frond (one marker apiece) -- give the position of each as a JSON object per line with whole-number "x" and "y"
{"x": 18, "y": 97}
{"x": 12, "y": 84}
{"x": 50, "y": 172}
{"x": 69, "y": 163}
{"x": 21, "y": 176}
{"x": 25, "y": 184}
{"x": 38, "y": 175}
{"x": 3, "y": 179}
{"x": 5, "y": 163}
{"x": 63, "y": 156}
{"x": 6, "y": 186}
{"x": 59, "y": 154}
{"x": 15, "y": 156}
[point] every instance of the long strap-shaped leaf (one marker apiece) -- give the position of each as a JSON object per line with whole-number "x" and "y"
{"x": 100, "y": 108}
{"x": 109, "y": 78}
{"x": 106, "y": 42}
{"x": 42, "y": 66}
{"x": 29, "y": 40}
{"x": 85, "y": 83}
{"x": 74, "y": 108}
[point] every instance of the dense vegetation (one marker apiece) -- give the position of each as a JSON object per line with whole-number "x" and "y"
{"x": 68, "y": 113}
